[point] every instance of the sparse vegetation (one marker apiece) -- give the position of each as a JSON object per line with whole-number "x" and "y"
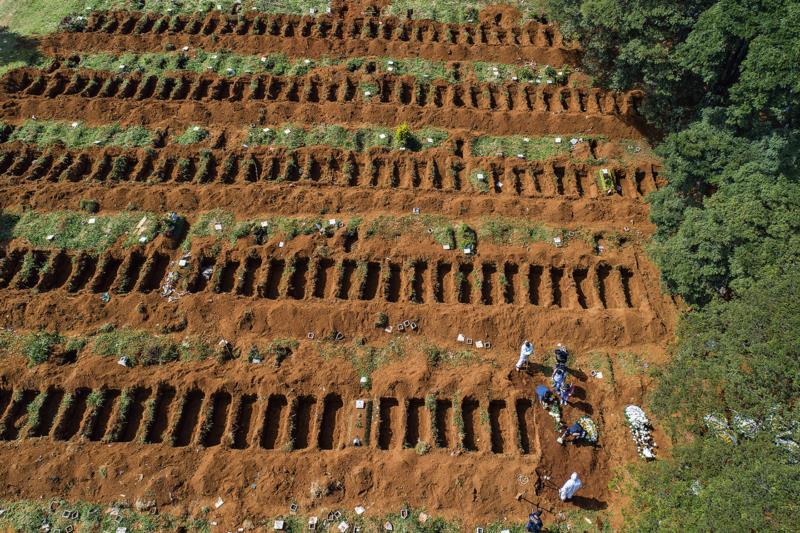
{"x": 459, "y": 11}
{"x": 76, "y": 231}
{"x": 79, "y": 135}
{"x": 294, "y": 136}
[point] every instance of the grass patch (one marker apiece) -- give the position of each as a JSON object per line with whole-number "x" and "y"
{"x": 223, "y": 63}
{"x": 139, "y": 347}
{"x": 72, "y": 230}
{"x": 479, "y": 179}
{"x": 19, "y": 51}
{"x": 43, "y": 16}
{"x": 514, "y": 231}
{"x": 606, "y": 180}
{"x": 530, "y": 148}
{"x": 192, "y": 135}
{"x": 529, "y": 73}
{"x": 38, "y": 347}
{"x": 263, "y": 229}
{"x": 365, "y": 359}
{"x": 79, "y": 135}
{"x": 390, "y": 227}
{"x": 368, "y": 90}
{"x": 423, "y": 69}
{"x": 227, "y": 63}
{"x": 461, "y": 11}
{"x": 29, "y": 515}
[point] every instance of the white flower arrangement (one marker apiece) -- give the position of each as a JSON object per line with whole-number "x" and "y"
{"x": 641, "y": 430}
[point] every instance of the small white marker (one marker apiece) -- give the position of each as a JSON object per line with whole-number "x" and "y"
{"x": 287, "y": 131}
{"x": 185, "y": 48}
{"x": 332, "y": 222}
{"x": 307, "y": 61}
{"x": 382, "y": 135}
{"x": 143, "y": 239}
{"x": 92, "y": 220}
{"x": 74, "y": 124}
{"x": 479, "y": 176}
{"x": 265, "y": 130}
{"x": 460, "y": 337}
{"x": 281, "y": 244}
{"x": 264, "y": 223}
{"x": 430, "y": 140}
{"x": 218, "y": 227}
{"x": 367, "y": 93}
{"x": 445, "y": 246}
{"x": 558, "y": 140}
{"x": 182, "y": 263}
{"x": 359, "y": 404}
{"x": 467, "y": 251}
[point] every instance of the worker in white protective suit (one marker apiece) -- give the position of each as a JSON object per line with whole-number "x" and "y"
{"x": 570, "y": 487}
{"x": 525, "y": 352}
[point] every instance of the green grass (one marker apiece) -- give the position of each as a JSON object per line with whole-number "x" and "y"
{"x": 19, "y": 51}
{"x": 606, "y": 181}
{"x": 79, "y": 135}
{"x": 479, "y": 179}
{"x": 38, "y": 347}
{"x": 223, "y": 63}
{"x": 500, "y": 72}
{"x": 284, "y": 227}
{"x": 43, "y": 16}
{"x": 72, "y": 230}
{"x": 515, "y": 231}
{"x": 388, "y": 227}
{"x": 28, "y": 516}
{"x": 461, "y": 11}
{"x": 140, "y": 347}
{"x": 423, "y": 69}
{"x": 531, "y": 148}
{"x": 365, "y": 359}
{"x": 192, "y": 135}
{"x": 230, "y": 64}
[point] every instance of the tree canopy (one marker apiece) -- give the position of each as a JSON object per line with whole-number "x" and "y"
{"x": 722, "y": 82}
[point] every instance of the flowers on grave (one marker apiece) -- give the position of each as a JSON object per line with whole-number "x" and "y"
{"x": 641, "y": 430}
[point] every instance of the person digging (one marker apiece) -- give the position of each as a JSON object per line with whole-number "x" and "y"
{"x": 575, "y": 433}
{"x": 525, "y": 353}
{"x": 545, "y": 396}
{"x": 584, "y": 430}
{"x": 535, "y": 523}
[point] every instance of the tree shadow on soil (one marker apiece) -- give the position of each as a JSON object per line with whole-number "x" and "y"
{"x": 17, "y": 50}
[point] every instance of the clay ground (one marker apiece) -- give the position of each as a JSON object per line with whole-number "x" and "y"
{"x": 262, "y": 437}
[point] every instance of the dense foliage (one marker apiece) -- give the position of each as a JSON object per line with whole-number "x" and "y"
{"x": 694, "y": 54}
{"x": 722, "y": 81}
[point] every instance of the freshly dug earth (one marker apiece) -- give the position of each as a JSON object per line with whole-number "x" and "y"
{"x": 444, "y": 426}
